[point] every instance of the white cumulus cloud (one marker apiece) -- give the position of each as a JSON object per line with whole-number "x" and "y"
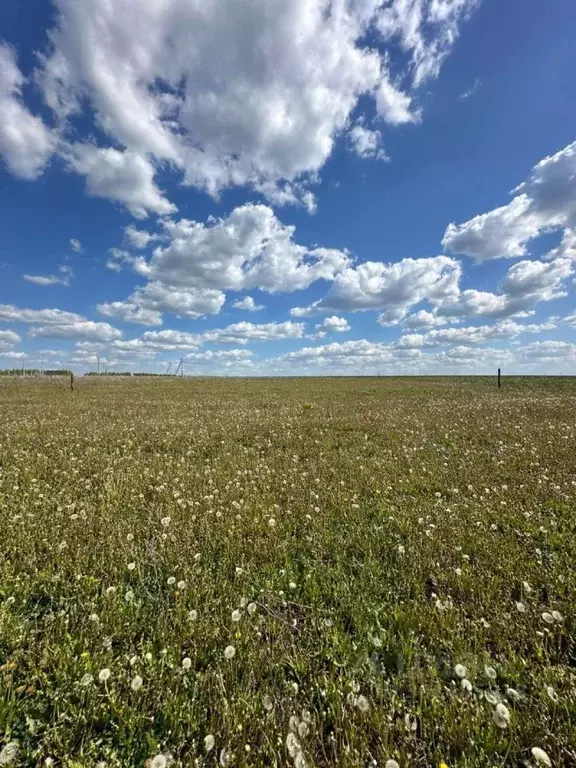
{"x": 544, "y": 203}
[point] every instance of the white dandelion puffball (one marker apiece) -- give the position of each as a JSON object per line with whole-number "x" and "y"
{"x": 501, "y": 716}
{"x": 136, "y": 683}
{"x": 267, "y": 703}
{"x": 129, "y": 596}
{"x": 131, "y": 566}
{"x": 209, "y": 742}
{"x": 548, "y": 618}
{"x": 271, "y": 522}
{"x": 490, "y": 672}
{"x": 236, "y": 615}
{"x": 541, "y": 757}
{"x": 110, "y": 590}
{"x": 251, "y": 608}
{"x": 192, "y": 615}
{"x": 159, "y": 761}
{"x": 292, "y": 745}
{"x": 362, "y": 703}
{"x": 391, "y": 764}
{"x": 557, "y": 616}
{"x": 9, "y": 753}
{"x": 466, "y": 685}
{"x": 186, "y": 662}
{"x": 460, "y": 670}
{"x": 181, "y": 584}
{"x": 520, "y": 607}
{"x": 551, "y": 693}
{"x": 104, "y": 674}
{"x": 86, "y": 679}
{"x": 165, "y": 522}
{"x": 171, "y": 580}
{"x": 229, "y": 652}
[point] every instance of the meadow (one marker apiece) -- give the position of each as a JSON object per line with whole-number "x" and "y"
{"x": 288, "y": 572}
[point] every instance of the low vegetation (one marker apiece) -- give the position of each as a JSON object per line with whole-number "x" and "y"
{"x": 323, "y": 572}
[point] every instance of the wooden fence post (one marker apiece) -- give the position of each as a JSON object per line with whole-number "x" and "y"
{"x": 499, "y": 382}
{"x": 71, "y": 382}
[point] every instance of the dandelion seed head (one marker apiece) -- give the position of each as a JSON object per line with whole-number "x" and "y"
{"x": 129, "y": 596}
{"x": 136, "y": 683}
{"x": 460, "y": 670}
{"x": 391, "y": 764}
{"x": 181, "y": 585}
{"x": 466, "y": 685}
{"x": 171, "y": 580}
{"x": 251, "y": 608}
{"x": 131, "y": 566}
{"x": 86, "y": 679}
{"x": 548, "y": 618}
{"x": 209, "y": 742}
{"x": 104, "y": 674}
{"x": 9, "y": 753}
{"x": 551, "y": 693}
{"x": 165, "y": 521}
{"x": 159, "y": 761}
{"x": 267, "y": 703}
{"x": 362, "y": 703}
{"x": 229, "y": 652}
{"x": 236, "y": 615}
{"x": 192, "y": 615}
{"x": 541, "y": 757}
{"x": 186, "y": 663}
{"x": 490, "y": 672}
{"x": 501, "y": 715}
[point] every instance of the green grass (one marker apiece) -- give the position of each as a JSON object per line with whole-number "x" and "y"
{"x": 371, "y": 533}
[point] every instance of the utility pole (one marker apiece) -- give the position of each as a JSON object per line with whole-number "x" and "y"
{"x": 98, "y": 358}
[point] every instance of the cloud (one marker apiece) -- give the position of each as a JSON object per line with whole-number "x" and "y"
{"x": 426, "y": 29}
{"x": 242, "y": 94}
{"x": 350, "y": 350}
{"x": 11, "y": 314}
{"x": 469, "y": 335}
{"x": 470, "y": 91}
{"x": 250, "y": 248}
{"x": 76, "y": 245}
{"x": 365, "y": 142}
{"x": 138, "y": 238}
{"x": 66, "y": 274}
{"x": 333, "y": 324}
{"x": 248, "y": 304}
{"x": 26, "y": 144}
{"x": 392, "y": 288}
{"x": 423, "y": 319}
{"x": 126, "y": 177}
{"x": 394, "y": 106}
{"x": 549, "y": 351}
{"x": 544, "y": 203}
{"x": 129, "y": 313}
{"x": 525, "y": 285}
{"x": 218, "y": 355}
{"x": 78, "y": 329}
{"x": 58, "y": 324}
{"x": 237, "y": 333}
{"x": 8, "y": 340}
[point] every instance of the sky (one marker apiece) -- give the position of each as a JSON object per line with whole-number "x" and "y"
{"x": 288, "y": 187}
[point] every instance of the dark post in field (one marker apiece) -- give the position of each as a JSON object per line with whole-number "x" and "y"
{"x": 499, "y": 382}
{"x": 71, "y": 382}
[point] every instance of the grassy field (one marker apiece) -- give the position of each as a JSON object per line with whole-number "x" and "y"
{"x": 323, "y": 572}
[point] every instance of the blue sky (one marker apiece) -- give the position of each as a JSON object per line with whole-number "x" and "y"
{"x": 288, "y": 186}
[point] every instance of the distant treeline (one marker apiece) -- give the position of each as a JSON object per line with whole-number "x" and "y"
{"x": 123, "y": 373}
{"x": 33, "y": 372}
